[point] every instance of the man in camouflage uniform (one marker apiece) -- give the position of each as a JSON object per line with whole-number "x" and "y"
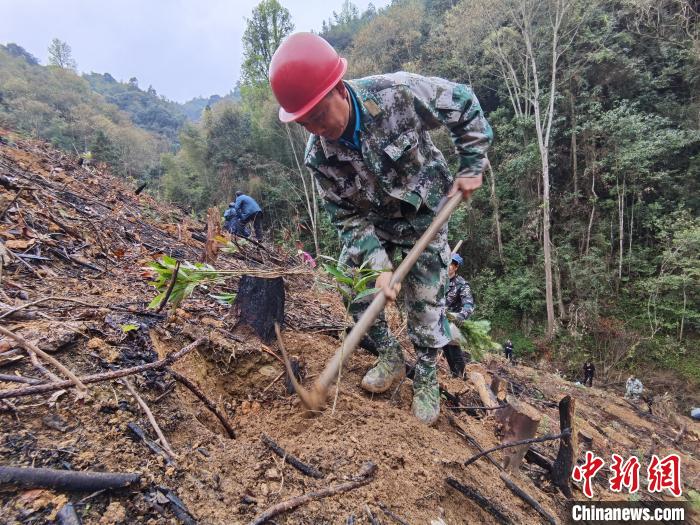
{"x": 383, "y": 181}
{"x": 460, "y": 306}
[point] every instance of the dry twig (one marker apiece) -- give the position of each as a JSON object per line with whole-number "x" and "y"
{"x": 386, "y": 510}
{"x": 10, "y": 378}
{"x": 43, "y": 300}
{"x": 152, "y": 420}
{"x": 484, "y": 503}
{"x": 527, "y": 498}
{"x": 33, "y": 349}
{"x": 472, "y": 459}
{"x": 66, "y": 479}
{"x": 204, "y": 399}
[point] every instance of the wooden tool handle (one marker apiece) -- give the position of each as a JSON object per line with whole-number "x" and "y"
{"x": 377, "y": 305}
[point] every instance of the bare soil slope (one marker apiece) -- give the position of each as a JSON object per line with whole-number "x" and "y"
{"x": 69, "y": 232}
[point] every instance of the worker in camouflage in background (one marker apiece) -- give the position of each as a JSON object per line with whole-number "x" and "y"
{"x": 460, "y": 306}
{"x": 383, "y": 181}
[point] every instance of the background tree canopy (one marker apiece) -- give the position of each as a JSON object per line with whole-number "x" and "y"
{"x": 596, "y": 160}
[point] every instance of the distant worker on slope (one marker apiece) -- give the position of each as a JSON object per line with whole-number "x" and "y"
{"x": 508, "y": 350}
{"x": 588, "y": 373}
{"x": 460, "y": 306}
{"x": 383, "y": 181}
{"x": 633, "y": 388}
{"x": 242, "y": 211}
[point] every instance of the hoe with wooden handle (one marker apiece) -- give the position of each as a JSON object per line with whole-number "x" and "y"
{"x": 315, "y": 399}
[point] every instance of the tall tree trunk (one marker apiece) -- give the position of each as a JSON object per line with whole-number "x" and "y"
{"x": 574, "y": 152}
{"x": 496, "y": 220}
{"x": 590, "y": 227}
{"x": 612, "y": 243}
{"x": 549, "y": 300}
{"x": 621, "y": 227}
{"x": 557, "y": 285}
{"x": 685, "y": 302}
{"x": 629, "y": 247}
{"x": 543, "y": 128}
{"x": 594, "y": 200}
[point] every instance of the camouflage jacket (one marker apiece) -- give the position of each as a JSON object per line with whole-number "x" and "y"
{"x": 459, "y": 298}
{"x": 398, "y": 169}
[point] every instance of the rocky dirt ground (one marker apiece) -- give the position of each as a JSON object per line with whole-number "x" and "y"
{"x": 73, "y": 232}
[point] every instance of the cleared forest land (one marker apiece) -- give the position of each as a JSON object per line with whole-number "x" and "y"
{"x": 75, "y": 242}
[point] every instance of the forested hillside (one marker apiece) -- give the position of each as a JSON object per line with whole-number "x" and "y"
{"x": 54, "y": 103}
{"x": 583, "y": 241}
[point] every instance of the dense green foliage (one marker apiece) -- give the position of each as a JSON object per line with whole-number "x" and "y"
{"x": 265, "y": 30}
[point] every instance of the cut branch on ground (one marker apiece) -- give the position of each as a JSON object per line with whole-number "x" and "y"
{"x": 68, "y": 480}
{"x": 471, "y": 460}
{"x": 204, "y": 399}
{"x": 151, "y": 418}
{"x": 292, "y": 460}
{"x": 365, "y": 476}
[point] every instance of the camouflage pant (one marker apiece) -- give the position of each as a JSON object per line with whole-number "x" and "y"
{"x": 423, "y": 289}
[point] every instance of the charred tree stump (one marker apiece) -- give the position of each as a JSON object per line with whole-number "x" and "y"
{"x": 568, "y": 447}
{"x": 499, "y": 387}
{"x": 487, "y": 397}
{"x": 520, "y": 421}
{"x": 260, "y": 304}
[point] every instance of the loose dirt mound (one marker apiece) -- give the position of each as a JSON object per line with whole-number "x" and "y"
{"x": 72, "y": 232}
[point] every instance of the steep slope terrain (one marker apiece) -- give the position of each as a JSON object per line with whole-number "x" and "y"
{"x": 74, "y": 243}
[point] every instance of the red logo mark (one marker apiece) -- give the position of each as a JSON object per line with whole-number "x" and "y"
{"x": 587, "y": 472}
{"x": 625, "y": 474}
{"x": 665, "y": 474}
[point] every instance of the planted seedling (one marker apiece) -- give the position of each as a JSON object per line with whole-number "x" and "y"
{"x": 187, "y": 277}
{"x": 352, "y": 283}
{"x": 473, "y": 337}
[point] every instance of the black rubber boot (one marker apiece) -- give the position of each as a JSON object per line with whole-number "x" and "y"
{"x": 456, "y": 358}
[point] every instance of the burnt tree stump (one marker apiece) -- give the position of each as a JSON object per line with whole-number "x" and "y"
{"x": 568, "y": 447}
{"x": 520, "y": 421}
{"x": 260, "y": 304}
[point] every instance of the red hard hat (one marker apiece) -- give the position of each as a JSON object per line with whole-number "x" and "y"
{"x": 302, "y": 71}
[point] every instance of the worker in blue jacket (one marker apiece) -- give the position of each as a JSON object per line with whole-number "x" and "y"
{"x": 242, "y": 211}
